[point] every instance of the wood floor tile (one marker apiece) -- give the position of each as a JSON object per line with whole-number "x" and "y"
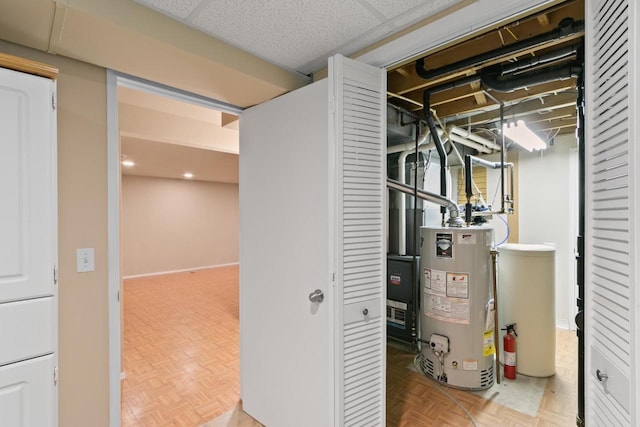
{"x": 181, "y": 359}
{"x": 180, "y": 348}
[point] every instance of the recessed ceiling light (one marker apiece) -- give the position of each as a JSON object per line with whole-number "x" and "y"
{"x": 188, "y": 175}
{"x": 128, "y": 163}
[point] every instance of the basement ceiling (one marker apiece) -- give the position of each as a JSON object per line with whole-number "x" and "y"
{"x": 300, "y": 35}
{"x": 548, "y": 108}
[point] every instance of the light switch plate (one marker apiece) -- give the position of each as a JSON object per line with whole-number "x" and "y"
{"x": 85, "y": 260}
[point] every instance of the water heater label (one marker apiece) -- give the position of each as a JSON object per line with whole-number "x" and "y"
{"x": 435, "y": 282}
{"x": 489, "y": 347}
{"x": 470, "y": 365}
{"x": 395, "y": 279}
{"x": 444, "y": 245}
{"x": 458, "y": 285}
{"x": 452, "y": 310}
{"x": 466, "y": 239}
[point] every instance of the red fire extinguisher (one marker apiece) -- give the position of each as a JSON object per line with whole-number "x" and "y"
{"x": 509, "y": 346}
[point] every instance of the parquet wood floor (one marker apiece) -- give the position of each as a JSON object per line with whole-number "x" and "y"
{"x": 181, "y": 363}
{"x": 180, "y": 349}
{"x": 412, "y": 400}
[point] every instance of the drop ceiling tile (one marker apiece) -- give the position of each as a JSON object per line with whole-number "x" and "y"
{"x": 288, "y": 33}
{"x": 178, "y": 8}
{"x": 365, "y": 40}
{"x": 420, "y": 12}
{"x": 392, "y": 8}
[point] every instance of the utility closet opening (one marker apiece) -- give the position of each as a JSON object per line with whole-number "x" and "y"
{"x": 483, "y": 161}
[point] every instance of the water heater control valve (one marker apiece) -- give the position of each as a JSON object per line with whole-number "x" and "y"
{"x": 439, "y": 343}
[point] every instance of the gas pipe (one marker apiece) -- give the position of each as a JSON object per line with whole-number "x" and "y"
{"x": 509, "y": 346}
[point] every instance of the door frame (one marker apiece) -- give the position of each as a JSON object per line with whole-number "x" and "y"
{"x": 114, "y": 81}
{"x": 466, "y": 19}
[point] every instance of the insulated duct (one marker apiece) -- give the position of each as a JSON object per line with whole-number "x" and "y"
{"x": 566, "y": 27}
{"x": 530, "y": 78}
{"x": 473, "y": 137}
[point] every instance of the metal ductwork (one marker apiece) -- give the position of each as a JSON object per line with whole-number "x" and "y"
{"x": 445, "y": 203}
{"x": 531, "y": 78}
{"x": 565, "y": 28}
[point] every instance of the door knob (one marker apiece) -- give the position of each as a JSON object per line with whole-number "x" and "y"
{"x": 316, "y": 296}
{"x": 602, "y": 377}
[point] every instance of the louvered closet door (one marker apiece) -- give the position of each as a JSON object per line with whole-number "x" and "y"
{"x": 612, "y": 193}
{"x": 359, "y": 127}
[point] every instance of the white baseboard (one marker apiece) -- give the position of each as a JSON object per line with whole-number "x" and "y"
{"x": 566, "y": 324}
{"x": 159, "y": 273}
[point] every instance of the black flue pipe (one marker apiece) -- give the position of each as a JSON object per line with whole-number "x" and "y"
{"x": 426, "y": 100}
{"x": 468, "y": 176}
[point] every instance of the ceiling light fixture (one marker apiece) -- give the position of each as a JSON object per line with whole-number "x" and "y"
{"x": 522, "y": 135}
{"x": 128, "y": 163}
{"x": 188, "y": 175}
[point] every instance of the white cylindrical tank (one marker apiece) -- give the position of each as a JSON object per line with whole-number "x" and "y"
{"x": 526, "y": 296}
{"x": 456, "y": 317}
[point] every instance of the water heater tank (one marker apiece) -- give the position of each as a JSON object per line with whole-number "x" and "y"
{"x": 457, "y": 313}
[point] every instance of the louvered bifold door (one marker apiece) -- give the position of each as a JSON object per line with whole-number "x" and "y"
{"x": 358, "y": 125}
{"x": 611, "y": 193}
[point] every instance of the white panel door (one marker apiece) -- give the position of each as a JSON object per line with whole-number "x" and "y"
{"x": 311, "y": 222}
{"x": 27, "y": 183}
{"x": 28, "y": 230}
{"x": 611, "y": 214}
{"x": 25, "y": 393}
{"x": 286, "y": 341}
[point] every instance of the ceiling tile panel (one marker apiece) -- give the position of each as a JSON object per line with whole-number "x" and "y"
{"x": 421, "y": 11}
{"x": 392, "y": 8}
{"x": 177, "y": 8}
{"x": 289, "y": 33}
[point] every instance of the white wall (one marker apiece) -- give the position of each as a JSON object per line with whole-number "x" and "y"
{"x": 548, "y": 200}
{"x": 547, "y": 209}
{"x": 172, "y": 225}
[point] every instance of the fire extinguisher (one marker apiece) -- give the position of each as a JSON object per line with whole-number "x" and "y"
{"x": 509, "y": 346}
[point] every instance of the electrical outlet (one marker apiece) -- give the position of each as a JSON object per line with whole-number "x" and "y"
{"x": 85, "y": 260}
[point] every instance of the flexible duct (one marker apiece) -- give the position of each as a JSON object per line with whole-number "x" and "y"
{"x": 566, "y": 27}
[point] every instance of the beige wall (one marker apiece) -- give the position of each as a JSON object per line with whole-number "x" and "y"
{"x": 82, "y": 212}
{"x": 170, "y": 224}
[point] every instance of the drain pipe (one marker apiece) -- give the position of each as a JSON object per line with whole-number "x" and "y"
{"x": 566, "y": 27}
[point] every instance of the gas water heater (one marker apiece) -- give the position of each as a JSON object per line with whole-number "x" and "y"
{"x": 457, "y": 317}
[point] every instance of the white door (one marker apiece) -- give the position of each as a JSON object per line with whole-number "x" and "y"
{"x": 28, "y": 247}
{"x": 612, "y": 257}
{"x": 312, "y": 223}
